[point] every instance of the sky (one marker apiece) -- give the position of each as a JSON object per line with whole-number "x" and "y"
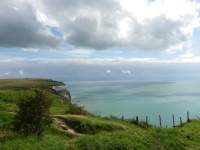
{"x": 100, "y": 40}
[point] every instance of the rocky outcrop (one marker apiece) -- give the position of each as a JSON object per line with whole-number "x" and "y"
{"x": 63, "y": 92}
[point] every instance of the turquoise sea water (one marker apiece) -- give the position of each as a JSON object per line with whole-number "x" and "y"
{"x": 132, "y": 98}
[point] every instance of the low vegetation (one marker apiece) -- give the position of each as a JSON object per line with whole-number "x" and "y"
{"x": 90, "y": 125}
{"x": 73, "y": 128}
{"x": 28, "y": 83}
{"x": 33, "y": 114}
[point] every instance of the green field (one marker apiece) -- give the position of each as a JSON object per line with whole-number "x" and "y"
{"x": 75, "y": 129}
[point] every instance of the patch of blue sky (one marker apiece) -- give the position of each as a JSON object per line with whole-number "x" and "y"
{"x": 56, "y": 31}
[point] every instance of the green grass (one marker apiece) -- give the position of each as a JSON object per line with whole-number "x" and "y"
{"x": 94, "y": 135}
{"x": 49, "y": 141}
{"x": 6, "y": 119}
{"x": 138, "y": 138}
{"x": 111, "y": 141}
{"x": 90, "y": 125}
{"x": 10, "y": 97}
{"x": 90, "y": 132}
{"x": 28, "y": 83}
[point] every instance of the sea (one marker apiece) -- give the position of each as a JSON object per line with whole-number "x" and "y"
{"x": 138, "y": 98}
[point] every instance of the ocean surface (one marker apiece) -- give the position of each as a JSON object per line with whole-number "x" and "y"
{"x": 134, "y": 98}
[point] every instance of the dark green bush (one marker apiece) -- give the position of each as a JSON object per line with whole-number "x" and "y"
{"x": 33, "y": 113}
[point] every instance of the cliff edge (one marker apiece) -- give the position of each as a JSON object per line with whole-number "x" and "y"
{"x": 63, "y": 92}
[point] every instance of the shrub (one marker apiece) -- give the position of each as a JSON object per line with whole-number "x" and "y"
{"x": 33, "y": 113}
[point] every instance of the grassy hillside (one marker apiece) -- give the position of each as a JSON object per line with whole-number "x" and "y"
{"x": 28, "y": 83}
{"x": 75, "y": 129}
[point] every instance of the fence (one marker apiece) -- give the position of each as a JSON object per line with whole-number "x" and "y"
{"x": 174, "y": 124}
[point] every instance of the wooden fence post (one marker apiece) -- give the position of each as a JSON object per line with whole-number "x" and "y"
{"x": 180, "y": 121}
{"x": 188, "y": 117}
{"x": 160, "y": 121}
{"x": 173, "y": 121}
{"x": 137, "y": 120}
{"x": 147, "y": 125}
{"x": 122, "y": 118}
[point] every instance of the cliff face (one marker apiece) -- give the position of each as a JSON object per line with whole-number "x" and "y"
{"x": 63, "y": 92}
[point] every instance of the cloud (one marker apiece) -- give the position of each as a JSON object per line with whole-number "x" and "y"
{"x": 126, "y": 72}
{"x": 5, "y": 74}
{"x": 108, "y": 71}
{"x": 69, "y": 71}
{"x": 102, "y": 24}
{"x": 96, "y": 30}
{"x": 20, "y": 27}
{"x": 79, "y": 53}
{"x": 21, "y": 72}
{"x": 144, "y": 24}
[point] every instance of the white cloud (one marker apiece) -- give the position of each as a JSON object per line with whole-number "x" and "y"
{"x": 5, "y": 74}
{"x": 21, "y": 72}
{"x": 133, "y": 24}
{"x": 79, "y": 53}
{"x": 188, "y": 54}
{"x": 108, "y": 71}
{"x": 126, "y": 72}
{"x": 181, "y": 59}
{"x": 143, "y": 24}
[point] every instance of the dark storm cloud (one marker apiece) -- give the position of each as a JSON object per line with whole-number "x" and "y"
{"x": 19, "y": 27}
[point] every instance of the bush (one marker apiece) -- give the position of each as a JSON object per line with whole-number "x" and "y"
{"x": 33, "y": 113}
